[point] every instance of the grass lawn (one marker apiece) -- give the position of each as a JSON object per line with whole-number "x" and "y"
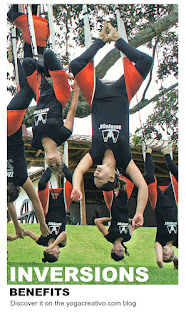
{"x": 86, "y": 247}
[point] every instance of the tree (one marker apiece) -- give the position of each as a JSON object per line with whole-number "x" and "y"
{"x": 163, "y": 121}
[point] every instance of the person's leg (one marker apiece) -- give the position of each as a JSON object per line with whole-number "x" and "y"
{"x": 149, "y": 167}
{"x": 30, "y": 66}
{"x": 172, "y": 167}
{"x": 27, "y": 51}
{"x": 69, "y": 122}
{"x": 51, "y": 62}
{"x": 79, "y": 63}
{"x": 13, "y": 13}
{"x": 23, "y": 98}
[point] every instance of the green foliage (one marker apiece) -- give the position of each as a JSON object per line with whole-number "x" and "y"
{"x": 164, "y": 118}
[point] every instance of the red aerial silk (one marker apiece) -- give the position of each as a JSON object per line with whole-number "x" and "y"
{"x": 14, "y": 120}
{"x": 61, "y": 86}
{"x": 86, "y": 81}
{"x": 34, "y": 81}
{"x": 133, "y": 79}
{"x": 41, "y": 27}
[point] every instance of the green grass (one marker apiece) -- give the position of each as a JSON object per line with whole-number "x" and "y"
{"x": 86, "y": 247}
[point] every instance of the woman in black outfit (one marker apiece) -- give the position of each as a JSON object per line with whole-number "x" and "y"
{"x": 55, "y": 204}
{"x": 110, "y": 120}
{"x": 163, "y": 200}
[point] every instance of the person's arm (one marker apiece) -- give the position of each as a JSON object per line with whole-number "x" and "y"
{"x": 142, "y": 198}
{"x": 62, "y": 238}
{"x": 159, "y": 254}
{"x": 32, "y": 235}
{"x": 69, "y": 122}
{"x": 42, "y": 184}
{"x": 172, "y": 167}
{"x": 82, "y": 167}
{"x": 99, "y": 223}
{"x": 31, "y": 192}
{"x": 67, "y": 173}
{"x": 11, "y": 238}
{"x": 12, "y": 211}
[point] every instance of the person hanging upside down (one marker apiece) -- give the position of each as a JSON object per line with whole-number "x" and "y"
{"x": 49, "y": 81}
{"x": 110, "y": 119}
{"x": 55, "y": 204}
{"x": 16, "y": 162}
{"x": 164, "y": 202}
{"x": 120, "y": 229}
{"x": 41, "y": 27}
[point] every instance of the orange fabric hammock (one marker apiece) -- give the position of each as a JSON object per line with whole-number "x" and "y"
{"x": 86, "y": 81}
{"x": 14, "y": 120}
{"x": 133, "y": 79}
{"x": 41, "y": 27}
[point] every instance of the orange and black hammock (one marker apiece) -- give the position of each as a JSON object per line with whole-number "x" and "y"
{"x": 14, "y": 120}
{"x": 44, "y": 195}
{"x": 86, "y": 80}
{"x": 41, "y": 27}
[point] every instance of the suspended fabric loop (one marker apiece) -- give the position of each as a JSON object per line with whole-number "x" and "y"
{"x": 14, "y": 48}
{"x": 86, "y": 78}
{"x": 133, "y": 79}
{"x": 51, "y": 26}
{"x": 32, "y": 31}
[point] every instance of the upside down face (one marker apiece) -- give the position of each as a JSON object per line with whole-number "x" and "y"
{"x": 102, "y": 175}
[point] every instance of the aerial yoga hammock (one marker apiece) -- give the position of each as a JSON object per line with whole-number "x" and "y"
{"x": 41, "y": 28}
{"x": 110, "y": 117}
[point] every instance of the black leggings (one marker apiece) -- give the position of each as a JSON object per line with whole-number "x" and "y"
{"x": 149, "y": 168}
{"x": 23, "y": 98}
{"x": 51, "y": 63}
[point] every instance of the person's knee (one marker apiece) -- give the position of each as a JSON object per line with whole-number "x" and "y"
{"x": 29, "y": 65}
{"x": 74, "y": 67}
{"x": 48, "y": 56}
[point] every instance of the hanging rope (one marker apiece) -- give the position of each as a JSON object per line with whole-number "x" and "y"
{"x": 51, "y": 26}
{"x": 14, "y": 49}
{"x": 32, "y": 32}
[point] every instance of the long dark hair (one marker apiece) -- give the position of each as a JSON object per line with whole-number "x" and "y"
{"x": 118, "y": 258}
{"x": 12, "y": 191}
{"x": 49, "y": 257}
{"x": 117, "y": 183}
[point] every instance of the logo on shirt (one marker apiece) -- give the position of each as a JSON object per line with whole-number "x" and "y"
{"x": 40, "y": 115}
{"x": 10, "y": 168}
{"x": 171, "y": 227}
{"x": 110, "y": 131}
{"x": 123, "y": 227}
{"x": 54, "y": 227}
